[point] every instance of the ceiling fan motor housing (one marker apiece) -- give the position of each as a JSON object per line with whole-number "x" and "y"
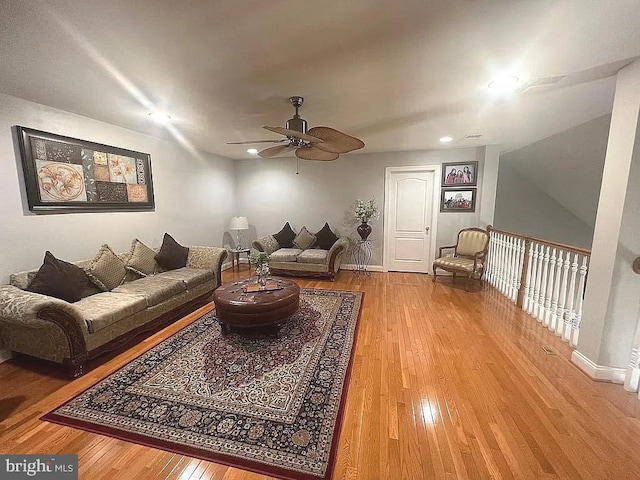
{"x": 298, "y": 124}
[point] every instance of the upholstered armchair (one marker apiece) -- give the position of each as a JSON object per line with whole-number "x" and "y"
{"x": 469, "y": 255}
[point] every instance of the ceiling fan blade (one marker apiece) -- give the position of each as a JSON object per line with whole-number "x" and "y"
{"x": 336, "y": 141}
{"x": 293, "y": 133}
{"x": 274, "y": 151}
{"x": 314, "y": 153}
{"x": 249, "y": 142}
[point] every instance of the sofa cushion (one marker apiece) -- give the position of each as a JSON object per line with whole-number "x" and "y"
{"x": 60, "y": 279}
{"x": 305, "y": 239}
{"x": 285, "y": 255}
{"x": 285, "y": 236}
{"x": 314, "y": 255}
{"x": 325, "y": 238}
{"x": 267, "y": 245}
{"x": 191, "y": 277}
{"x": 106, "y": 270}
{"x": 141, "y": 259}
{"x": 172, "y": 255}
{"x": 107, "y": 308}
{"x": 156, "y": 288}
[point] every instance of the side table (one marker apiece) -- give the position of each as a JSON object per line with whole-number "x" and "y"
{"x": 361, "y": 256}
{"x": 235, "y": 256}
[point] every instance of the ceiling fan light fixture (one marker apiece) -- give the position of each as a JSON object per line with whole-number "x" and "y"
{"x": 504, "y": 83}
{"x": 160, "y": 117}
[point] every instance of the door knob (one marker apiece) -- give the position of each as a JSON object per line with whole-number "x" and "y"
{"x": 426, "y": 230}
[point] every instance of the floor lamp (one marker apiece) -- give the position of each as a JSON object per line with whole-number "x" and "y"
{"x": 239, "y": 224}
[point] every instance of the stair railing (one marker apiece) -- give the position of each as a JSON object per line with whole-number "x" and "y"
{"x": 546, "y": 279}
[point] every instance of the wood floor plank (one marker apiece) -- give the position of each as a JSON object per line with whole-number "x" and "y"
{"x": 446, "y": 384}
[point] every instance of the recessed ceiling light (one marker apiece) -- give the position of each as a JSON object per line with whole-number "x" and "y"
{"x": 446, "y": 139}
{"x": 160, "y": 117}
{"x": 252, "y": 151}
{"x": 506, "y": 83}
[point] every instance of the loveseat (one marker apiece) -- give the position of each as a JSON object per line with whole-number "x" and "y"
{"x": 299, "y": 253}
{"x": 72, "y": 333}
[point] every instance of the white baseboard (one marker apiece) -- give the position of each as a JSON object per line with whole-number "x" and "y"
{"x": 370, "y": 268}
{"x": 5, "y": 355}
{"x": 597, "y": 372}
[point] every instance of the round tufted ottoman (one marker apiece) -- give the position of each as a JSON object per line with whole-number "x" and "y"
{"x": 238, "y": 309}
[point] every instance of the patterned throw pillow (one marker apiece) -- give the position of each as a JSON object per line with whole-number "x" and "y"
{"x": 268, "y": 244}
{"x": 304, "y": 239}
{"x": 325, "y": 238}
{"x": 172, "y": 255}
{"x": 60, "y": 279}
{"x": 106, "y": 270}
{"x": 141, "y": 259}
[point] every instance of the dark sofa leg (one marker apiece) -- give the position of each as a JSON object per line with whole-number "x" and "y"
{"x": 75, "y": 371}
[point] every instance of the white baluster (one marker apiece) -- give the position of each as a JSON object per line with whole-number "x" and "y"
{"x": 571, "y": 298}
{"x": 632, "y": 377}
{"x": 556, "y": 293}
{"x": 519, "y": 261}
{"x": 549, "y": 290}
{"x": 543, "y": 285}
{"x": 509, "y": 290}
{"x": 580, "y": 297}
{"x": 502, "y": 267}
{"x": 515, "y": 276}
{"x": 532, "y": 289}
{"x": 562, "y": 298}
{"x": 527, "y": 288}
{"x": 536, "y": 295}
{"x": 488, "y": 272}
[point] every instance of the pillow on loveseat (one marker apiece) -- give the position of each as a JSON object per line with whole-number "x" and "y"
{"x": 106, "y": 270}
{"x": 141, "y": 259}
{"x": 60, "y": 279}
{"x": 305, "y": 239}
{"x": 172, "y": 255}
{"x": 285, "y": 236}
{"x": 325, "y": 238}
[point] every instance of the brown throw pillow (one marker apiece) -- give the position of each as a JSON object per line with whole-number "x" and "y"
{"x": 106, "y": 270}
{"x": 285, "y": 236}
{"x": 325, "y": 238}
{"x": 60, "y": 279}
{"x": 172, "y": 255}
{"x": 304, "y": 239}
{"x": 141, "y": 259}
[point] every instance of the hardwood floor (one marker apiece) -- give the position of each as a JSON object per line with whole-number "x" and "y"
{"x": 445, "y": 384}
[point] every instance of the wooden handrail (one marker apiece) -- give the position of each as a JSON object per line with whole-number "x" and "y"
{"x": 581, "y": 251}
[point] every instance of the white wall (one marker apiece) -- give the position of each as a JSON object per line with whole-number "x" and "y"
{"x": 270, "y": 193}
{"x": 623, "y": 309}
{"x": 194, "y": 194}
{"x": 521, "y": 207}
{"x": 567, "y": 166}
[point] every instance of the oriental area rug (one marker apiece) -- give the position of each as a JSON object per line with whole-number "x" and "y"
{"x": 267, "y": 402}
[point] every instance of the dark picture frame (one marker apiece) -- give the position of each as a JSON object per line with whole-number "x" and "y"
{"x": 458, "y": 200}
{"x": 462, "y": 174}
{"x": 64, "y": 174}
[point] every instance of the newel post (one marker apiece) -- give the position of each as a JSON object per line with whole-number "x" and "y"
{"x": 523, "y": 275}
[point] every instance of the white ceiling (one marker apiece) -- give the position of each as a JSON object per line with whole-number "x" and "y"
{"x": 399, "y": 74}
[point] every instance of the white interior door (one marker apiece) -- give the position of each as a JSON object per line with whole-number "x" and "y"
{"x": 411, "y": 214}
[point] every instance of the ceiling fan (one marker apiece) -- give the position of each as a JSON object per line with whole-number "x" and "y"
{"x": 317, "y": 143}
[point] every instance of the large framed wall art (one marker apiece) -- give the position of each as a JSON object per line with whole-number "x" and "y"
{"x": 64, "y": 174}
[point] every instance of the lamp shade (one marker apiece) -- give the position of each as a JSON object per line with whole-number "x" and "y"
{"x": 239, "y": 223}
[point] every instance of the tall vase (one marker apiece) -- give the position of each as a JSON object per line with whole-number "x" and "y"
{"x": 364, "y": 230}
{"x": 262, "y": 272}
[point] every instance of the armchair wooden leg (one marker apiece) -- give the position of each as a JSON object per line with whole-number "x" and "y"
{"x": 466, "y": 284}
{"x": 454, "y": 277}
{"x": 434, "y": 274}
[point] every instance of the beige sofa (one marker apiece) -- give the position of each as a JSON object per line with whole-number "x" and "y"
{"x": 72, "y": 333}
{"x": 314, "y": 262}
